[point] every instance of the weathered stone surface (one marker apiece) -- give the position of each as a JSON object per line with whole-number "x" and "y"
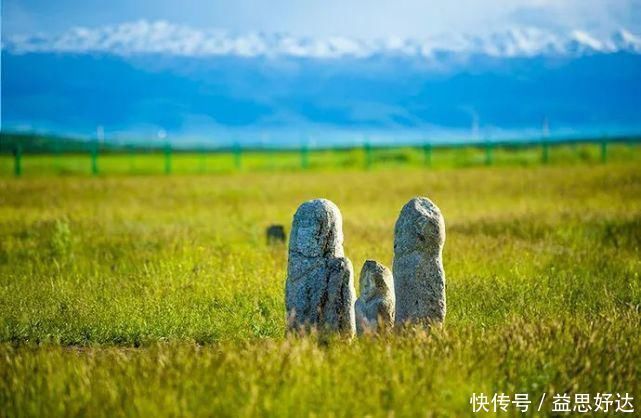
{"x": 375, "y": 307}
{"x": 419, "y": 278}
{"x": 275, "y": 234}
{"x": 319, "y": 291}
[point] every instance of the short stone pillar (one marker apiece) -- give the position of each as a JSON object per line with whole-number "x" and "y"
{"x": 375, "y": 307}
{"x": 319, "y": 290}
{"x": 419, "y": 278}
{"x": 275, "y": 235}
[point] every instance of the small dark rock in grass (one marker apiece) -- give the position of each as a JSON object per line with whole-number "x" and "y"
{"x": 276, "y": 235}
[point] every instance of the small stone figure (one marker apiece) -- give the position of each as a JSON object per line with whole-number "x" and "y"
{"x": 419, "y": 278}
{"x": 375, "y": 308}
{"x": 319, "y": 290}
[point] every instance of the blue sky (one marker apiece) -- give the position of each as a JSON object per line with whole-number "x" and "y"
{"x": 357, "y": 18}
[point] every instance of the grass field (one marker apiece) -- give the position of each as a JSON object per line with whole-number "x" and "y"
{"x": 155, "y": 295}
{"x": 138, "y": 161}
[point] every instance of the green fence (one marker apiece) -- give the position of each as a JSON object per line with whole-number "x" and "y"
{"x": 22, "y": 155}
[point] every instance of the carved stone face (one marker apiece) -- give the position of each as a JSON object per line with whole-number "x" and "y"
{"x": 420, "y": 226}
{"x": 375, "y": 280}
{"x": 317, "y": 229}
{"x": 368, "y": 286}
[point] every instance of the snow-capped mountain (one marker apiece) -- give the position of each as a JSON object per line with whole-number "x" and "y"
{"x": 166, "y": 38}
{"x": 137, "y": 78}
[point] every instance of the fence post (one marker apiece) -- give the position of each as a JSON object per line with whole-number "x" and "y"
{"x": 368, "y": 155}
{"x": 167, "y": 158}
{"x": 545, "y": 157}
{"x": 237, "y": 152}
{"x": 604, "y": 150}
{"x": 489, "y": 158}
{"x": 304, "y": 157}
{"x": 427, "y": 154}
{"x": 18, "y": 160}
{"x": 94, "y": 158}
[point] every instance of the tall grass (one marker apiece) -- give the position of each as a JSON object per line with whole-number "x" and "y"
{"x": 153, "y": 295}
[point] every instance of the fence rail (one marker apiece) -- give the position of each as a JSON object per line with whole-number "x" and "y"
{"x": 35, "y": 155}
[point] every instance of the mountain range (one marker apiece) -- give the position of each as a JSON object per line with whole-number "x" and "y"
{"x": 138, "y": 78}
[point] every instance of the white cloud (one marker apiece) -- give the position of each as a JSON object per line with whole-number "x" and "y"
{"x": 362, "y": 19}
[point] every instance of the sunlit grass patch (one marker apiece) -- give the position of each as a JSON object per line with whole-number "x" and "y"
{"x": 158, "y": 295}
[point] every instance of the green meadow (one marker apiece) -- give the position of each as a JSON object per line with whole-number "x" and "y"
{"x": 140, "y": 294}
{"x": 47, "y": 159}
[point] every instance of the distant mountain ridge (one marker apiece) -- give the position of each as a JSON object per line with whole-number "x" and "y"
{"x": 139, "y": 78}
{"x": 167, "y": 38}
